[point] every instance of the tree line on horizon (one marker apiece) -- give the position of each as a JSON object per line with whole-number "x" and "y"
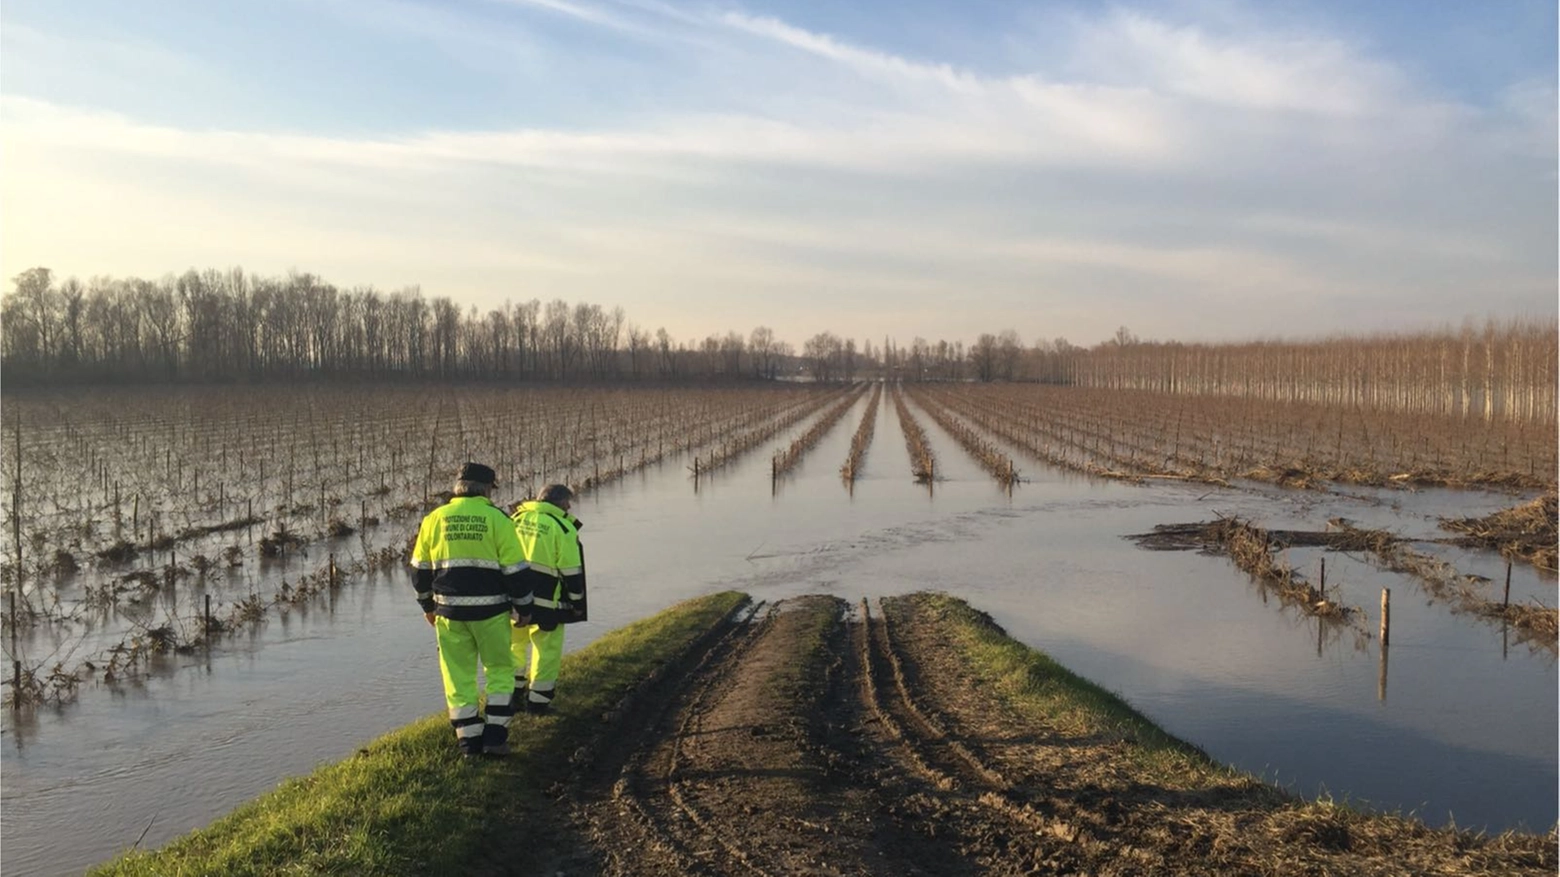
{"x": 231, "y": 326}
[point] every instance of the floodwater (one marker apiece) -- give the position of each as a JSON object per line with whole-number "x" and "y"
{"x": 1456, "y": 722}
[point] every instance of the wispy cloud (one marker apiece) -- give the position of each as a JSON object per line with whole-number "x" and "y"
{"x": 1157, "y": 167}
{"x": 1307, "y": 74}
{"x": 580, "y": 11}
{"x": 866, "y": 61}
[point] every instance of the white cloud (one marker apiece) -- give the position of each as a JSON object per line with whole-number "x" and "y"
{"x": 1263, "y": 72}
{"x": 1170, "y": 172}
{"x": 866, "y": 61}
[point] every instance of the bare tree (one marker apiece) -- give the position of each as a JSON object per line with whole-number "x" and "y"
{"x": 638, "y": 351}
{"x": 761, "y": 347}
{"x": 983, "y": 356}
{"x": 1009, "y": 350}
{"x": 824, "y": 353}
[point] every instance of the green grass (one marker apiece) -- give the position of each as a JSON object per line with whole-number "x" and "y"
{"x": 1076, "y": 708}
{"x": 406, "y": 804}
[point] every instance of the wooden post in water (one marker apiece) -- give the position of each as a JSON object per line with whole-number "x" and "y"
{"x": 1505, "y": 600}
{"x": 16, "y": 524}
{"x": 16, "y": 662}
{"x": 1381, "y": 673}
{"x": 1324, "y": 578}
{"x": 171, "y": 575}
{"x": 208, "y": 622}
{"x": 1386, "y": 615}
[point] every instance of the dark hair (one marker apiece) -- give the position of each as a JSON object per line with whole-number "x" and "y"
{"x": 556, "y": 493}
{"x": 464, "y": 487}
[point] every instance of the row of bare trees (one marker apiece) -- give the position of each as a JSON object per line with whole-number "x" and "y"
{"x": 1500, "y": 371}
{"x": 229, "y": 325}
{"x": 216, "y": 325}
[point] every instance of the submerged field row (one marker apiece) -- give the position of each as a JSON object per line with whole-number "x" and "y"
{"x": 1248, "y": 438}
{"x": 121, "y": 577}
{"x": 221, "y": 495}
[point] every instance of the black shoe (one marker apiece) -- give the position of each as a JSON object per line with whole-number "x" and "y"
{"x": 537, "y": 708}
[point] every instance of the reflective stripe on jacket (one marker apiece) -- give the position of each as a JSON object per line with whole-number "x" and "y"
{"x": 555, "y": 563}
{"x": 468, "y": 561}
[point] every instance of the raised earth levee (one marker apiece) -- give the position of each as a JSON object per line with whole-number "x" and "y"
{"x": 910, "y": 736}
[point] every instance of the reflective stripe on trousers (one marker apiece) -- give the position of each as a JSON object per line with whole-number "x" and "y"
{"x": 463, "y": 646}
{"x": 544, "y": 649}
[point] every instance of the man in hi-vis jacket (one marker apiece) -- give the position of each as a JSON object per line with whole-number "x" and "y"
{"x": 554, "y": 581}
{"x": 468, "y": 564}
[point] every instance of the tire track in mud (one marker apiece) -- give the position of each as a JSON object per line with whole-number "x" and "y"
{"x": 814, "y": 736}
{"x": 698, "y": 707}
{"x": 762, "y": 764}
{"x": 1009, "y": 834}
{"x": 795, "y": 743}
{"x": 645, "y": 829}
{"x": 770, "y": 754}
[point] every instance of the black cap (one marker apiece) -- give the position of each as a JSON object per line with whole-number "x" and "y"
{"x": 478, "y": 473}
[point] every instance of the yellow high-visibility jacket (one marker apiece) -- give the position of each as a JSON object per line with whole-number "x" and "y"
{"x": 554, "y": 576}
{"x": 468, "y": 561}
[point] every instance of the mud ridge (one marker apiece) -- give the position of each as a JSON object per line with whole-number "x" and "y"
{"x": 822, "y": 737}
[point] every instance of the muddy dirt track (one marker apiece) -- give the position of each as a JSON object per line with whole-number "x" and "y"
{"x": 820, "y": 737}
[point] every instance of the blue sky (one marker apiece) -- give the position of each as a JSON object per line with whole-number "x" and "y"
{"x": 1199, "y": 170}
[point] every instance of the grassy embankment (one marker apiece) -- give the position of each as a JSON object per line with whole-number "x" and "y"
{"x": 1238, "y": 824}
{"x": 406, "y": 804}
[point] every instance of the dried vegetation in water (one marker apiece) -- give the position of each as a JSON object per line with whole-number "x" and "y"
{"x": 1253, "y": 550}
{"x": 238, "y": 496}
{"x": 1527, "y": 531}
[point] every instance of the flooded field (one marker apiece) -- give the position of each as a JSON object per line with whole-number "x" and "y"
{"x": 1455, "y": 721}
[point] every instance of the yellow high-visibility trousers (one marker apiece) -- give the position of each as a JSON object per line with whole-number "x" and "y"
{"x": 463, "y": 646}
{"x": 537, "y": 656}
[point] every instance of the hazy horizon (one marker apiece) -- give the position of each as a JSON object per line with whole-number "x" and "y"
{"x": 1196, "y": 171}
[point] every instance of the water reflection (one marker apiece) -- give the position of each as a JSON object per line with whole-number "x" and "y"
{"x": 1189, "y": 640}
{"x": 1381, "y": 673}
